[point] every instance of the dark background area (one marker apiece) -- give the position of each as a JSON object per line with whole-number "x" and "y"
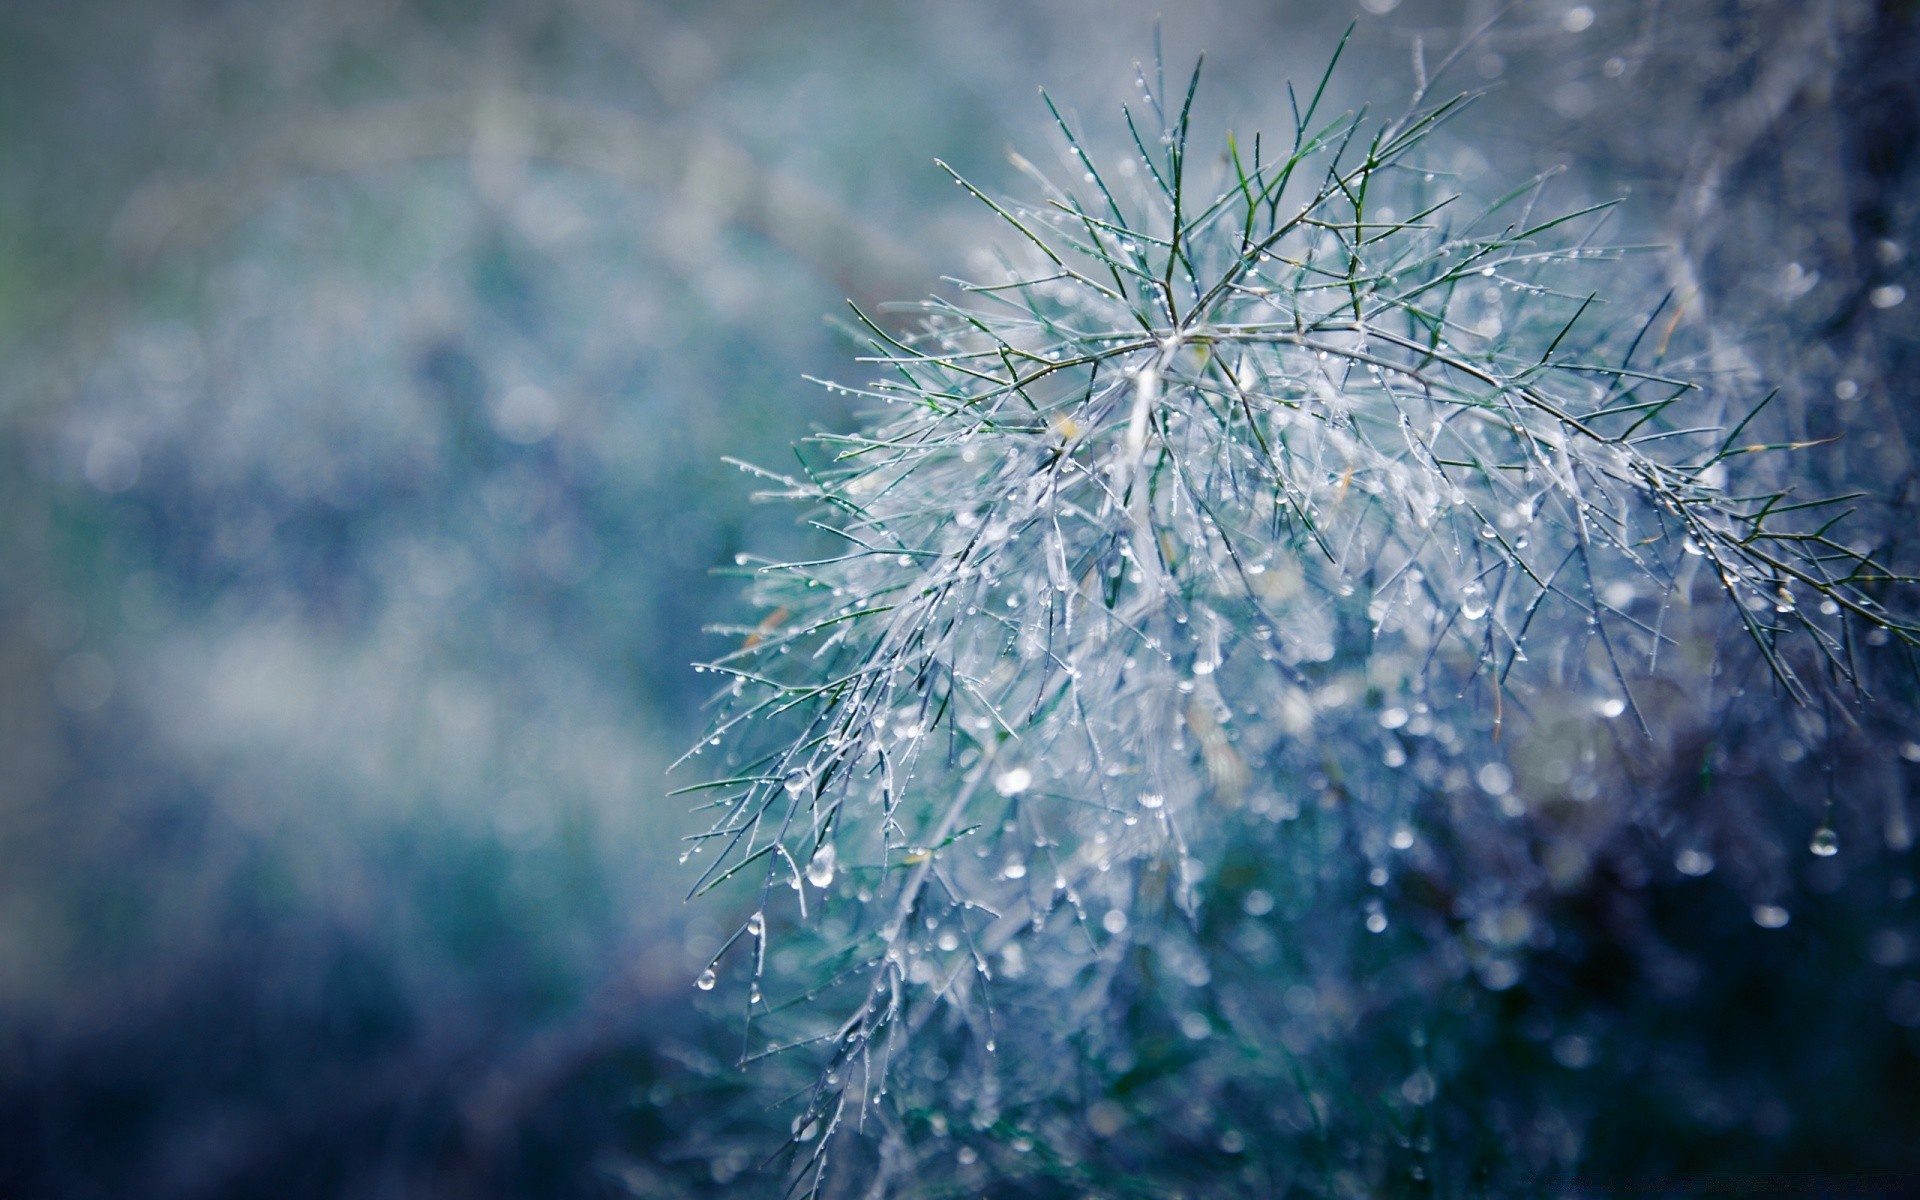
{"x": 368, "y": 369}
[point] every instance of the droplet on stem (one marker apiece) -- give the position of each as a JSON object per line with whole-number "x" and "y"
{"x": 820, "y": 866}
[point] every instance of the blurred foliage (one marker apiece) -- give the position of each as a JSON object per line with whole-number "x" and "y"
{"x": 368, "y": 369}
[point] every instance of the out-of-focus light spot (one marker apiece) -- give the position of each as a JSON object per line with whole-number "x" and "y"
{"x": 1846, "y": 389}
{"x": 112, "y": 464}
{"x": 1578, "y": 19}
{"x": 1888, "y": 948}
{"x": 1491, "y": 66}
{"x": 1418, "y": 1089}
{"x": 526, "y": 414}
{"x": 1380, "y": 6}
{"x": 1573, "y": 1052}
{"x": 1106, "y": 1118}
{"x": 1693, "y": 862}
{"x": 1573, "y": 100}
{"x": 1887, "y": 295}
{"x": 1796, "y": 281}
{"x": 1771, "y": 916}
{"x": 1500, "y": 974}
{"x": 83, "y": 682}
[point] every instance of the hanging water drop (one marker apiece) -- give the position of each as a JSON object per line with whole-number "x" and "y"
{"x": 1473, "y": 601}
{"x": 706, "y": 980}
{"x": 1825, "y": 843}
{"x": 820, "y": 866}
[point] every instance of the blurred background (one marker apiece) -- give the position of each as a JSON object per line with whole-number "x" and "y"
{"x": 368, "y": 371}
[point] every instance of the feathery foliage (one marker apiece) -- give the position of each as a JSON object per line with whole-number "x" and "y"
{"x": 1205, "y": 568}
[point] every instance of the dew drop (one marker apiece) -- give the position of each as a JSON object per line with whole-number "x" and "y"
{"x": 1473, "y": 601}
{"x": 706, "y": 980}
{"x": 820, "y": 866}
{"x": 1152, "y": 800}
{"x": 1825, "y": 843}
{"x": 796, "y": 783}
{"x": 1770, "y": 916}
{"x": 757, "y": 924}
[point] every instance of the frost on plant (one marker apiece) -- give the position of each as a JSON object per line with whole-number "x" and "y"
{"x": 1166, "y": 708}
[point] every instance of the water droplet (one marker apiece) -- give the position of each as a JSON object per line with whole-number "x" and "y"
{"x": 1473, "y": 601}
{"x": 706, "y": 980}
{"x": 820, "y": 866}
{"x": 1825, "y": 843}
{"x": 796, "y": 783}
{"x": 1152, "y": 800}
{"x": 1376, "y": 922}
{"x": 1770, "y": 916}
{"x": 1402, "y": 839}
{"x": 757, "y": 924}
{"x": 1610, "y": 706}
